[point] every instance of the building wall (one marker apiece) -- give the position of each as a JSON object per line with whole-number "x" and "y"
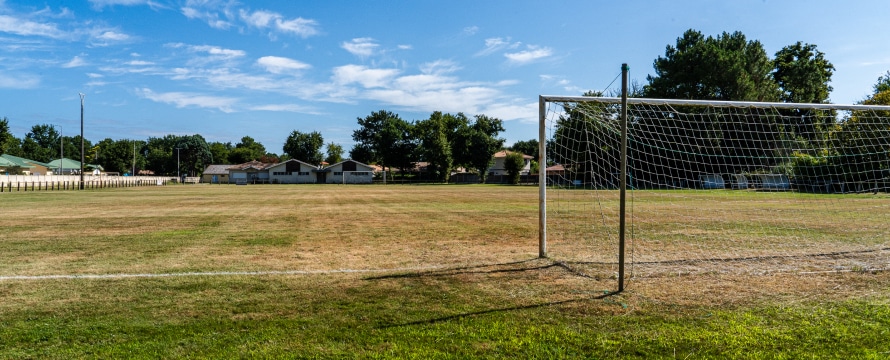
{"x": 292, "y": 177}
{"x": 292, "y": 172}
{"x": 220, "y": 178}
{"x": 498, "y": 167}
{"x": 250, "y": 175}
{"x": 364, "y": 175}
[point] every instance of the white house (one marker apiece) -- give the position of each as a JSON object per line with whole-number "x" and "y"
{"x": 250, "y": 172}
{"x": 346, "y": 172}
{"x": 292, "y": 171}
{"x": 498, "y": 167}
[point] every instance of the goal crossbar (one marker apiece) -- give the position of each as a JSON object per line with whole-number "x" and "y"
{"x": 713, "y": 103}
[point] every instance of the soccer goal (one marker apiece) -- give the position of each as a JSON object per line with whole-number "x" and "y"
{"x": 356, "y": 177}
{"x": 658, "y": 188}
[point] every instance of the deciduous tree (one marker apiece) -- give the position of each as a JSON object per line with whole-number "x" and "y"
{"x": 513, "y": 164}
{"x": 384, "y": 138}
{"x": 220, "y": 152}
{"x": 194, "y": 154}
{"x": 480, "y": 141}
{"x": 247, "y": 150}
{"x": 334, "y": 153}
{"x": 304, "y": 146}
{"x": 434, "y": 147}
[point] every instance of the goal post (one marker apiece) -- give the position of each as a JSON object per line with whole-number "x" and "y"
{"x": 712, "y": 186}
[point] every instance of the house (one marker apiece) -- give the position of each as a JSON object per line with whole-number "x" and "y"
{"x": 70, "y": 167}
{"x": 498, "y": 167}
{"x": 214, "y": 174}
{"x": 14, "y": 163}
{"x": 250, "y": 172}
{"x": 345, "y": 172}
{"x": 293, "y": 171}
{"x": 557, "y": 169}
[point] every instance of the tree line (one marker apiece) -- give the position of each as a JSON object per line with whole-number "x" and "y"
{"x": 445, "y": 141}
{"x": 691, "y": 141}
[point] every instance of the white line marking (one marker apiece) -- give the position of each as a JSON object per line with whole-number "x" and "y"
{"x": 209, "y": 273}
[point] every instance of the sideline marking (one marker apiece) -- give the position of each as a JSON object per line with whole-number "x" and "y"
{"x": 209, "y": 273}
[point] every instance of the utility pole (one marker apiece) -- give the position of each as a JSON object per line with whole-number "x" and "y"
{"x": 82, "y": 158}
{"x": 61, "y": 147}
{"x": 178, "y": 177}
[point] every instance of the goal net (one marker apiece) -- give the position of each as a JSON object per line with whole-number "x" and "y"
{"x": 715, "y": 187}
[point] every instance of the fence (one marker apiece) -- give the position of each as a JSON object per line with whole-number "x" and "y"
{"x": 10, "y": 183}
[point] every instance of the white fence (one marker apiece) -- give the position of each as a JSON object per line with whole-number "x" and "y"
{"x": 9, "y": 183}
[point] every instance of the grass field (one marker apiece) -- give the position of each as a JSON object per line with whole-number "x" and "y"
{"x": 382, "y": 272}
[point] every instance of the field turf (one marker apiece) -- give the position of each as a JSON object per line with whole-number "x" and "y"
{"x": 422, "y": 271}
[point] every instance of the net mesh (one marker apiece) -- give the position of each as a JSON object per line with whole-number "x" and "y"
{"x": 718, "y": 188}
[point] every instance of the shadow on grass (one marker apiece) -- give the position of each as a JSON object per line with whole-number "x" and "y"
{"x": 486, "y": 269}
{"x": 493, "y": 311}
{"x": 516, "y": 266}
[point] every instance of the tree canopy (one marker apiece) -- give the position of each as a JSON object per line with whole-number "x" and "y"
{"x": 728, "y": 67}
{"x": 334, "y": 153}
{"x": 480, "y": 141}
{"x": 803, "y": 74}
{"x": 383, "y": 137}
{"x": 246, "y": 150}
{"x": 6, "y": 138}
{"x": 304, "y": 146}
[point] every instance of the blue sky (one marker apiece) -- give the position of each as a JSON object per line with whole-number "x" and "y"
{"x": 225, "y": 69}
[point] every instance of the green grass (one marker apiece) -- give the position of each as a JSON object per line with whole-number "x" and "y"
{"x": 486, "y": 295}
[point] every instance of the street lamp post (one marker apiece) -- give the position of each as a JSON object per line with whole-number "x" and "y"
{"x": 81, "y": 140}
{"x": 61, "y": 148}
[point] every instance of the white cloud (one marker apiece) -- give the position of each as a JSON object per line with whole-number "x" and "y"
{"x": 518, "y": 109}
{"x": 285, "y": 108}
{"x": 405, "y": 47}
{"x": 299, "y": 26}
{"x": 114, "y": 36}
{"x": 18, "y": 81}
{"x": 259, "y": 19}
{"x": 139, "y": 63}
{"x": 102, "y": 3}
{"x": 105, "y": 37}
{"x": 439, "y": 67}
{"x": 262, "y": 19}
{"x": 281, "y": 65}
{"x": 209, "y": 11}
{"x": 360, "y": 46}
{"x": 208, "y": 54}
{"x": 12, "y": 25}
{"x": 183, "y": 99}
{"x": 368, "y": 78}
{"x": 95, "y": 76}
{"x": 75, "y": 62}
{"x": 218, "y": 51}
{"x": 493, "y": 45}
{"x": 532, "y": 54}
{"x": 471, "y": 30}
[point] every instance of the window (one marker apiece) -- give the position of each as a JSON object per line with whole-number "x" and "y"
{"x": 338, "y": 173}
{"x": 303, "y": 173}
{"x": 281, "y": 173}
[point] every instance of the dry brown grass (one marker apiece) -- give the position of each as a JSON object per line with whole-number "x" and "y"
{"x": 484, "y": 234}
